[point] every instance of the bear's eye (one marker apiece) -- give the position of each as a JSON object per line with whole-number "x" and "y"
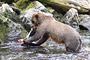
{"x": 32, "y": 21}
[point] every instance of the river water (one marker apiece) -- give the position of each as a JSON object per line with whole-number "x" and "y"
{"x": 48, "y": 51}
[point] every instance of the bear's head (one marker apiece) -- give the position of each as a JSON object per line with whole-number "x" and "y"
{"x": 37, "y": 18}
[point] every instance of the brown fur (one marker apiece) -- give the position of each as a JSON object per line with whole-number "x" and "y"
{"x": 47, "y": 27}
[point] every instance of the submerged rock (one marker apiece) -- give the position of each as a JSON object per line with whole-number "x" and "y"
{"x": 10, "y": 29}
{"x": 84, "y": 22}
{"x": 71, "y": 18}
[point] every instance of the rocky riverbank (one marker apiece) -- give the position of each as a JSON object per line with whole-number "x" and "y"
{"x": 15, "y": 17}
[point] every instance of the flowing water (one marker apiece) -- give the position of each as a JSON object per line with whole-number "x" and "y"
{"x": 48, "y": 51}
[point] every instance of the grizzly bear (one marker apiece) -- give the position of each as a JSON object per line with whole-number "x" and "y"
{"x": 47, "y": 27}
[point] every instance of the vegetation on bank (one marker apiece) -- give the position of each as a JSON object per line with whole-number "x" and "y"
{"x": 23, "y": 4}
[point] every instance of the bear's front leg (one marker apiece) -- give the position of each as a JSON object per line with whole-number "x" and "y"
{"x": 28, "y": 44}
{"x": 35, "y": 37}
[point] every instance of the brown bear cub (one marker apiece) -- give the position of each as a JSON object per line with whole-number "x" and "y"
{"x": 47, "y": 27}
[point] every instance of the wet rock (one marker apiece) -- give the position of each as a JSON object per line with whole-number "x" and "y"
{"x": 71, "y": 18}
{"x": 10, "y": 29}
{"x": 84, "y": 22}
{"x": 16, "y": 10}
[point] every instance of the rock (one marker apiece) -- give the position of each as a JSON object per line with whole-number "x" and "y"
{"x": 67, "y": 4}
{"x": 81, "y": 3}
{"x": 38, "y": 5}
{"x": 57, "y": 15}
{"x": 84, "y": 22}
{"x": 10, "y": 29}
{"x": 1, "y": 3}
{"x": 16, "y": 10}
{"x": 5, "y": 7}
{"x": 71, "y": 18}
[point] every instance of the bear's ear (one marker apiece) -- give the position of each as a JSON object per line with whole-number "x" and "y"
{"x": 36, "y": 16}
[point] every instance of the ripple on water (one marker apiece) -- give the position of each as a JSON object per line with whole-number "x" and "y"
{"x": 50, "y": 51}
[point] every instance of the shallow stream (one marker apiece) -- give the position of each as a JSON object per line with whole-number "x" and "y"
{"x": 49, "y": 51}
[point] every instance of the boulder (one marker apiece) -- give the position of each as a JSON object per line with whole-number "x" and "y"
{"x": 71, "y": 18}
{"x": 81, "y": 3}
{"x": 84, "y": 22}
{"x": 10, "y": 29}
{"x": 83, "y": 6}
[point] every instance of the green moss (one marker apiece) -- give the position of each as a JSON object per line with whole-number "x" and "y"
{"x": 49, "y": 8}
{"x": 15, "y": 0}
{"x": 44, "y": 1}
{"x": 23, "y": 4}
{"x": 24, "y": 33}
{"x": 54, "y": 1}
{"x": 28, "y": 7}
{"x": 2, "y": 18}
{"x": 5, "y": 21}
{"x": 3, "y": 31}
